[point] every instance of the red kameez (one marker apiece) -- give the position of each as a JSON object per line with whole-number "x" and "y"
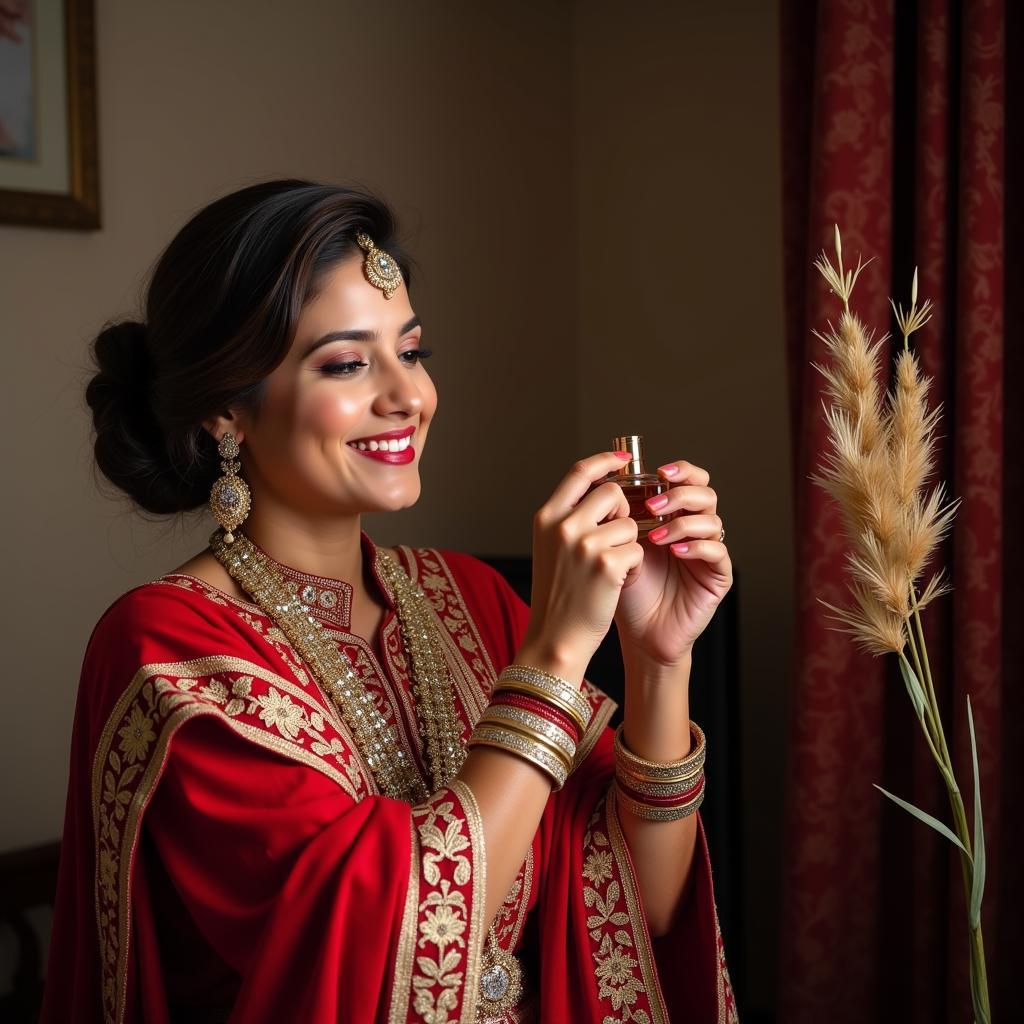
{"x": 227, "y": 856}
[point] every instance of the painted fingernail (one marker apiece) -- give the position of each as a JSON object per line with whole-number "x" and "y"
{"x": 658, "y": 501}
{"x": 669, "y": 470}
{"x": 622, "y": 455}
{"x": 680, "y": 549}
{"x": 659, "y": 534}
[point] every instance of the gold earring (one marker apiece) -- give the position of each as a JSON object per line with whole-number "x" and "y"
{"x": 230, "y": 500}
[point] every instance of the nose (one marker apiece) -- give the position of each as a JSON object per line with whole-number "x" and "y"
{"x": 399, "y": 395}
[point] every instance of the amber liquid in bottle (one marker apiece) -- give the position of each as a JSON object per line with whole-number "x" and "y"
{"x": 639, "y": 485}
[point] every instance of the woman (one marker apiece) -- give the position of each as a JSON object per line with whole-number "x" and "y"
{"x": 299, "y": 790}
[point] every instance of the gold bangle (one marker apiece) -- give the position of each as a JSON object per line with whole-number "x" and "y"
{"x": 657, "y": 789}
{"x": 553, "y": 686}
{"x": 549, "y": 695}
{"x": 648, "y": 813}
{"x": 515, "y": 743}
{"x": 662, "y": 772}
{"x": 534, "y": 737}
{"x": 502, "y": 714}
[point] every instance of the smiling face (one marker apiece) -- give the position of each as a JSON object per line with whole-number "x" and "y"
{"x": 351, "y": 390}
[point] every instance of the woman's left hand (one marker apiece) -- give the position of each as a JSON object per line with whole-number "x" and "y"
{"x": 666, "y": 602}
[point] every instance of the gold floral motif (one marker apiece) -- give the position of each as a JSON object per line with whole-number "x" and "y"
{"x": 620, "y": 982}
{"x": 449, "y": 926}
{"x": 278, "y": 711}
{"x": 136, "y": 736}
{"x": 598, "y": 867}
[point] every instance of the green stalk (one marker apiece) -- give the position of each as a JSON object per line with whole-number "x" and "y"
{"x": 979, "y": 973}
{"x": 932, "y": 729}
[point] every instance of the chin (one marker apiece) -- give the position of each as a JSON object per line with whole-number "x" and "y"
{"x": 404, "y": 498}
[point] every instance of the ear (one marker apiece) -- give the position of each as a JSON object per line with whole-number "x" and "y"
{"x": 226, "y": 422}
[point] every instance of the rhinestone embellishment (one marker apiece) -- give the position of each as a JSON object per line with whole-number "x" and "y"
{"x": 494, "y": 983}
{"x": 380, "y": 269}
{"x": 501, "y": 980}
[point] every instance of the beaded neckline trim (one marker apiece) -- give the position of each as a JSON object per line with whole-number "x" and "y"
{"x": 326, "y": 598}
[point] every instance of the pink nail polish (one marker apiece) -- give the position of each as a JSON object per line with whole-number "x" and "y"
{"x": 658, "y": 501}
{"x": 622, "y": 455}
{"x": 658, "y": 534}
{"x": 669, "y": 470}
{"x": 680, "y": 549}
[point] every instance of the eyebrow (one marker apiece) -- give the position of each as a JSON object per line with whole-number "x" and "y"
{"x": 356, "y": 335}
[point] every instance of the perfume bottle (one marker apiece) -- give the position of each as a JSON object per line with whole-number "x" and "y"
{"x": 638, "y": 485}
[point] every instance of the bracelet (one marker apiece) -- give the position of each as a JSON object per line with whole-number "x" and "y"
{"x": 659, "y": 813}
{"x": 679, "y": 773}
{"x": 535, "y": 683}
{"x": 516, "y": 743}
{"x": 676, "y": 798}
{"x": 502, "y": 715}
{"x": 507, "y": 698}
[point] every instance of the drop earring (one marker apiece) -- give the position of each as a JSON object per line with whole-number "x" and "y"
{"x": 230, "y": 500}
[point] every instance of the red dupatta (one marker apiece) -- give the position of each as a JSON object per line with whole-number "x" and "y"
{"x": 227, "y": 855}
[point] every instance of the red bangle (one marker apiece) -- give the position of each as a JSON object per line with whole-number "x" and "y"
{"x": 538, "y": 707}
{"x": 677, "y": 800}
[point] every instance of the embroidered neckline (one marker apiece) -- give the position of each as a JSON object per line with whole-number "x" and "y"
{"x": 327, "y": 598}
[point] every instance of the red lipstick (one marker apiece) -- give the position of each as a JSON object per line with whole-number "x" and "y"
{"x": 393, "y": 447}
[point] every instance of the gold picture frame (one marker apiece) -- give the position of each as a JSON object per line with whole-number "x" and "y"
{"x": 49, "y": 166}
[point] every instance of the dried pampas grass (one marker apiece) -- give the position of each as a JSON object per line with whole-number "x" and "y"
{"x": 881, "y": 454}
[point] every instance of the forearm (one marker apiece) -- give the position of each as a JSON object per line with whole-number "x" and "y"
{"x": 657, "y": 728}
{"x": 511, "y": 794}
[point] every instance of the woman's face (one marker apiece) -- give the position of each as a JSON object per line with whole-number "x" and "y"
{"x": 351, "y": 389}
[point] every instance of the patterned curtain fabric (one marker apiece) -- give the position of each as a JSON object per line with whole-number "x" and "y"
{"x": 893, "y": 127}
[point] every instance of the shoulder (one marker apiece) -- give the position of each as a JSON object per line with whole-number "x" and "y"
{"x": 169, "y": 620}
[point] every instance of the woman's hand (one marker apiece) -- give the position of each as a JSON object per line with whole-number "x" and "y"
{"x": 685, "y": 573}
{"x": 584, "y": 548}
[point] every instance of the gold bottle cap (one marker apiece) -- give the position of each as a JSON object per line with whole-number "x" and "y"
{"x": 634, "y": 444}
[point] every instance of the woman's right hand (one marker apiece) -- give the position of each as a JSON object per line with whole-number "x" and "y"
{"x": 584, "y": 551}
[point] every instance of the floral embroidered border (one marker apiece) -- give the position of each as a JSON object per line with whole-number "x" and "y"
{"x": 444, "y": 914}
{"x": 265, "y": 708}
{"x": 624, "y": 968}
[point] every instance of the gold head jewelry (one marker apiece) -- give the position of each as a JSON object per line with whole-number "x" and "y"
{"x": 229, "y": 497}
{"x": 380, "y": 268}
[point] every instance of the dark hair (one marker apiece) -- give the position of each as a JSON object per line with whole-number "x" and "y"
{"x": 221, "y": 312}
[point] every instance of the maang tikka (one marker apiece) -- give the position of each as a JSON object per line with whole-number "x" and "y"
{"x": 229, "y": 497}
{"x": 380, "y": 267}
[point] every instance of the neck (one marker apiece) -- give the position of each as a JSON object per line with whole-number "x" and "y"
{"x": 318, "y": 546}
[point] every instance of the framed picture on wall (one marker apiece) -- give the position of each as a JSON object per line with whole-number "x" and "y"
{"x": 49, "y": 168}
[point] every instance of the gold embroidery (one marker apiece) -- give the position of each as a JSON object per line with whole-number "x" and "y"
{"x": 389, "y": 700}
{"x": 603, "y": 707}
{"x": 511, "y": 916}
{"x": 467, "y": 658}
{"x": 450, "y": 969}
{"x": 130, "y": 756}
{"x": 727, "y": 1012}
{"x": 620, "y": 945}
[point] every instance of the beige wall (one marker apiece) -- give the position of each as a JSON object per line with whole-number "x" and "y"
{"x": 591, "y": 192}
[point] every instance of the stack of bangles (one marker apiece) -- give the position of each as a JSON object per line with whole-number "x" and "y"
{"x": 658, "y": 791}
{"x": 537, "y": 716}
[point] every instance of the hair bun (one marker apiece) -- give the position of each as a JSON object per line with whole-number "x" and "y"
{"x": 130, "y": 447}
{"x": 122, "y": 357}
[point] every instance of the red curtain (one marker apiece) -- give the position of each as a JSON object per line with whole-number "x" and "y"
{"x": 894, "y": 128}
